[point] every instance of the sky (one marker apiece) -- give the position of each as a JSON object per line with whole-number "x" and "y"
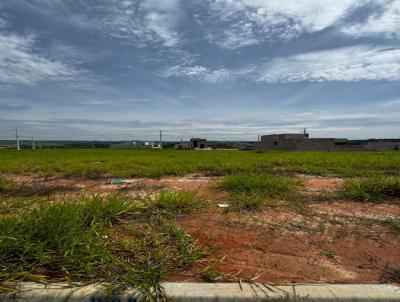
{"x": 219, "y": 69}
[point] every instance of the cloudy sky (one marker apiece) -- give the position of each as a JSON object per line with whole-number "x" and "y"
{"x": 222, "y": 69}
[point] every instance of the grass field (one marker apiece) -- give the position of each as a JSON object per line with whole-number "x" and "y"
{"x": 109, "y": 233}
{"x": 155, "y": 163}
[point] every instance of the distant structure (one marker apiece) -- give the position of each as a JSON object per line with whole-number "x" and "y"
{"x": 201, "y": 143}
{"x": 303, "y": 142}
{"x": 196, "y": 144}
{"x": 136, "y": 144}
{"x": 183, "y": 146}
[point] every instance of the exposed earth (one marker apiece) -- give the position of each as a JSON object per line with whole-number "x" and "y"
{"x": 322, "y": 238}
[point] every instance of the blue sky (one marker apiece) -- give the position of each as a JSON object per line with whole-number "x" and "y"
{"x": 221, "y": 69}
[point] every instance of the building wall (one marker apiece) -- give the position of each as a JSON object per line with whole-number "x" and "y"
{"x": 293, "y": 142}
{"x": 383, "y": 145}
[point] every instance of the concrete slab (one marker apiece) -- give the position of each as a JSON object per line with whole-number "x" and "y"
{"x": 230, "y": 292}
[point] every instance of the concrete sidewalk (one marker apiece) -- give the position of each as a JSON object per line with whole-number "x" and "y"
{"x": 214, "y": 292}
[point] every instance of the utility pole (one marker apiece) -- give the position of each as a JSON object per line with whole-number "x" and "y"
{"x": 258, "y": 138}
{"x": 40, "y": 143}
{"x": 17, "y": 138}
{"x": 33, "y": 144}
{"x": 110, "y": 144}
{"x": 160, "y": 139}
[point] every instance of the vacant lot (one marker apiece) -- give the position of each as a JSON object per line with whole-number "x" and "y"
{"x": 138, "y": 217}
{"x": 154, "y": 163}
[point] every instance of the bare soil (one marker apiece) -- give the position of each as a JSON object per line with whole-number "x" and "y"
{"x": 324, "y": 239}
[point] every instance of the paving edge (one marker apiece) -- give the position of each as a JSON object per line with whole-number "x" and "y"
{"x": 231, "y": 292}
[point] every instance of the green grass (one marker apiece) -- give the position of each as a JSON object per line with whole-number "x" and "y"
{"x": 246, "y": 201}
{"x": 372, "y": 188}
{"x": 268, "y": 184}
{"x": 7, "y": 186}
{"x": 210, "y": 273}
{"x": 180, "y": 202}
{"x": 10, "y": 188}
{"x": 155, "y": 163}
{"x": 122, "y": 241}
{"x": 396, "y": 224}
{"x": 252, "y": 190}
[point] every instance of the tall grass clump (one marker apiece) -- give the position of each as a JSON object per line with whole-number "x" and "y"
{"x": 268, "y": 184}
{"x": 7, "y": 187}
{"x": 372, "y": 188}
{"x": 179, "y": 202}
{"x": 251, "y": 190}
{"x": 94, "y": 239}
{"x": 396, "y": 224}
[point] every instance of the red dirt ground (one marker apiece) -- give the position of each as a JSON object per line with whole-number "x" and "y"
{"x": 323, "y": 241}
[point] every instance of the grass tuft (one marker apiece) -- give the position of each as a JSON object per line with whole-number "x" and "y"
{"x": 373, "y": 188}
{"x": 210, "y": 273}
{"x": 179, "y": 202}
{"x": 94, "y": 238}
{"x": 250, "y": 191}
{"x": 268, "y": 185}
{"x": 7, "y": 186}
{"x": 10, "y": 188}
{"x": 247, "y": 201}
{"x": 396, "y": 225}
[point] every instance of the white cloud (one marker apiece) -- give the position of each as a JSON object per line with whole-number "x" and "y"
{"x": 140, "y": 22}
{"x": 385, "y": 23}
{"x": 20, "y": 65}
{"x": 343, "y": 64}
{"x": 253, "y": 21}
{"x": 394, "y": 103}
{"x": 201, "y": 73}
{"x": 357, "y": 63}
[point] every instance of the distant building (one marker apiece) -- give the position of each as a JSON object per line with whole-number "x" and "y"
{"x": 201, "y": 143}
{"x": 136, "y": 144}
{"x": 302, "y": 142}
{"x": 183, "y": 146}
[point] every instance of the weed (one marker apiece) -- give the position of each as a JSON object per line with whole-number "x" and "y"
{"x": 372, "y": 188}
{"x": 210, "y": 273}
{"x": 268, "y": 185}
{"x": 180, "y": 202}
{"x": 11, "y": 188}
{"x": 251, "y": 191}
{"x": 7, "y": 186}
{"x": 247, "y": 201}
{"x": 391, "y": 275}
{"x": 396, "y": 224}
{"x": 94, "y": 238}
{"x": 329, "y": 254}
